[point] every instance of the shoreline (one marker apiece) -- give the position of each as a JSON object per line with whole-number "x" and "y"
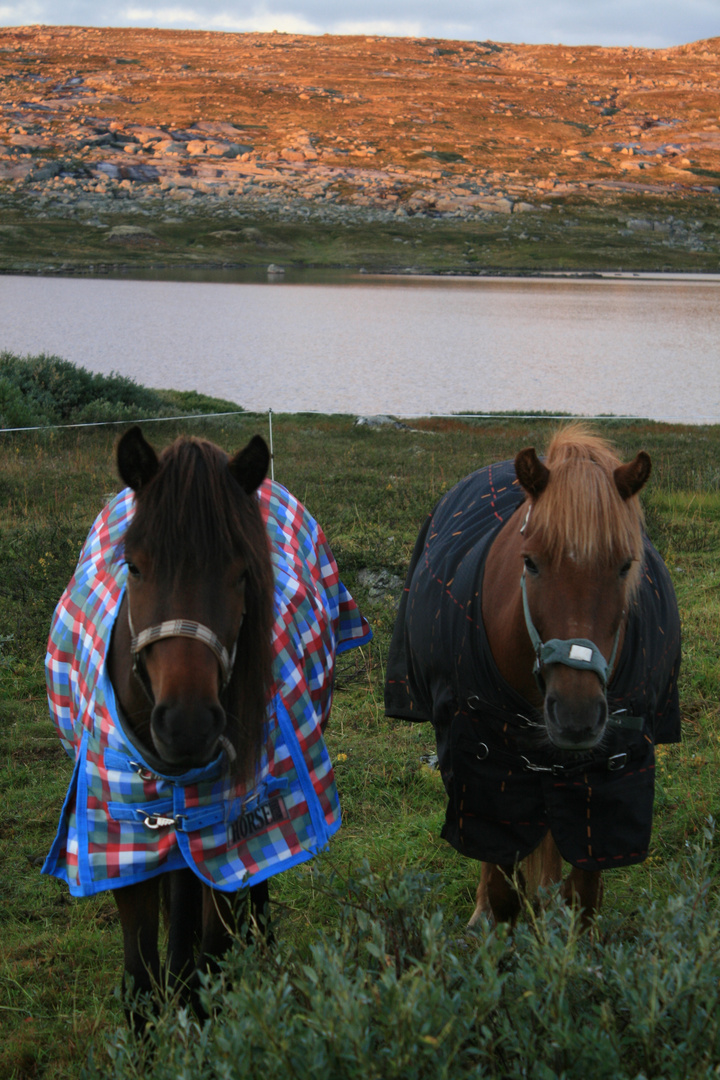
{"x": 325, "y": 275}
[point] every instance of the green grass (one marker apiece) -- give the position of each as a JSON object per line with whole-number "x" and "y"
{"x": 569, "y": 232}
{"x": 370, "y": 489}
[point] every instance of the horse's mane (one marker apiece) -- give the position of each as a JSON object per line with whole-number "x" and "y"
{"x": 192, "y": 515}
{"x": 581, "y": 511}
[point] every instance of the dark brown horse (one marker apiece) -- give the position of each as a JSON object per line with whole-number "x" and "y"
{"x": 539, "y": 633}
{"x": 196, "y": 552}
{"x": 190, "y": 702}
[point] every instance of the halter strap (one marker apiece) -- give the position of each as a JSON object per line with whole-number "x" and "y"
{"x": 573, "y": 652}
{"x": 181, "y": 628}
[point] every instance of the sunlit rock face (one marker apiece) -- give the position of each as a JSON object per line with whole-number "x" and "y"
{"x": 444, "y": 126}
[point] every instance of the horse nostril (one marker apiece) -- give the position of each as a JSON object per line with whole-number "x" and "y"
{"x": 159, "y": 716}
{"x": 602, "y": 712}
{"x": 576, "y": 725}
{"x": 551, "y": 708}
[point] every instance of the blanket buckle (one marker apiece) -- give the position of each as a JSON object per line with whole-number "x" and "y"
{"x": 157, "y": 822}
{"x": 530, "y": 766}
{"x": 143, "y": 772}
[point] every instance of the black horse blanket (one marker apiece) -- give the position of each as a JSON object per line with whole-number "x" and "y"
{"x": 505, "y": 784}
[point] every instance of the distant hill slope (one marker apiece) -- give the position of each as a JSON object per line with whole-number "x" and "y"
{"x": 345, "y": 129}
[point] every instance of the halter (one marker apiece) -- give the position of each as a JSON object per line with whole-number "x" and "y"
{"x": 181, "y": 628}
{"x": 572, "y": 652}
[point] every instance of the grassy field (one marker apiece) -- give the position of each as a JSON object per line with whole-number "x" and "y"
{"x": 60, "y": 960}
{"x": 567, "y": 235}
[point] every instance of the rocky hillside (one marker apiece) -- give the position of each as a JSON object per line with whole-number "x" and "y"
{"x": 267, "y": 131}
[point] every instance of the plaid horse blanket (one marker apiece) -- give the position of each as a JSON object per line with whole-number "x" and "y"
{"x": 123, "y": 820}
{"x": 505, "y": 785}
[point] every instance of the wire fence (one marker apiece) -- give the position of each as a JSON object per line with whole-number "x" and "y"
{"x": 597, "y": 418}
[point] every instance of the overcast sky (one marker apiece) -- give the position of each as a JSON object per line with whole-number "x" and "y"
{"x": 649, "y": 23}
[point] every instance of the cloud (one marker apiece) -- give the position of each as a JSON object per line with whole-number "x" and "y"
{"x": 189, "y": 19}
{"x": 263, "y": 21}
{"x": 23, "y": 13}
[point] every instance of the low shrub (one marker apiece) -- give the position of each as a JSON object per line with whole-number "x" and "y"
{"x": 44, "y": 390}
{"x": 396, "y": 992}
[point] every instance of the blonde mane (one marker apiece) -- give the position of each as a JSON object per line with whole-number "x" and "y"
{"x": 581, "y": 512}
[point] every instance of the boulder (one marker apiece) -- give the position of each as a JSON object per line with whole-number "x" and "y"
{"x": 171, "y": 148}
{"x": 196, "y": 147}
{"x": 108, "y": 169}
{"x": 379, "y": 583}
{"x": 45, "y": 172}
{"x": 216, "y": 128}
{"x": 494, "y": 204}
{"x": 144, "y": 174}
{"x": 26, "y": 143}
{"x": 222, "y": 149}
{"x": 145, "y": 133}
{"x": 640, "y": 225}
{"x": 131, "y": 234}
{"x": 380, "y": 420}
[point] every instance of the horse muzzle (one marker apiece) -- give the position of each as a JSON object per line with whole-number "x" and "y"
{"x": 575, "y": 721}
{"x": 187, "y": 735}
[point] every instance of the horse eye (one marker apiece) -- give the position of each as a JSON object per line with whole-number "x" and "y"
{"x": 530, "y": 566}
{"x": 132, "y": 569}
{"x": 625, "y": 568}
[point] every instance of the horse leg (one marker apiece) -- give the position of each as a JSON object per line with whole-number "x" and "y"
{"x": 260, "y": 912}
{"x": 221, "y": 919}
{"x": 497, "y": 895}
{"x": 583, "y": 889}
{"x": 543, "y": 867}
{"x": 139, "y": 907}
{"x": 185, "y": 901}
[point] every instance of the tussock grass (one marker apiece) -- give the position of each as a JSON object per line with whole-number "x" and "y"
{"x": 626, "y": 1000}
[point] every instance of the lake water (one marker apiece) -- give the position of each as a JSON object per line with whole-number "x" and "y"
{"x": 406, "y": 346}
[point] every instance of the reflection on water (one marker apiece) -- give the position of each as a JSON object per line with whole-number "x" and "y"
{"x": 405, "y": 346}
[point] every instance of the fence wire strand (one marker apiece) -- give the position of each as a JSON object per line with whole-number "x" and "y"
{"x": 249, "y": 413}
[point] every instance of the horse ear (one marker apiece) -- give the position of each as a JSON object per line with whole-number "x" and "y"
{"x": 633, "y": 476}
{"x": 250, "y": 465}
{"x": 137, "y": 462}
{"x": 531, "y": 472}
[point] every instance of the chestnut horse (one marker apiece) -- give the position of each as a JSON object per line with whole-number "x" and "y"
{"x": 191, "y": 701}
{"x": 539, "y": 633}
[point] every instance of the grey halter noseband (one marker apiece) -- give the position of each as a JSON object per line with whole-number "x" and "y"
{"x": 572, "y": 652}
{"x": 181, "y": 628}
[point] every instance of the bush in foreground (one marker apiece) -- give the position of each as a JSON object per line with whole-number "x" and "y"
{"x": 394, "y": 992}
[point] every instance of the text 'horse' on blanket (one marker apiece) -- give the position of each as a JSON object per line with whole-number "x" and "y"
{"x": 539, "y": 633}
{"x": 190, "y": 672}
